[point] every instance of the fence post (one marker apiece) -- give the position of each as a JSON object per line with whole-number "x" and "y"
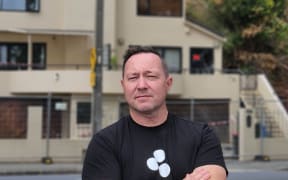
{"x": 47, "y": 159}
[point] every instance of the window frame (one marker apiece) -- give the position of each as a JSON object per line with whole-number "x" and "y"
{"x": 148, "y": 13}
{"x": 18, "y": 65}
{"x": 88, "y": 113}
{"x": 25, "y": 9}
{"x": 165, "y": 48}
{"x": 34, "y": 51}
{"x": 202, "y": 70}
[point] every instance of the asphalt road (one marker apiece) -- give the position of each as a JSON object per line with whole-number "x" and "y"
{"x": 259, "y": 175}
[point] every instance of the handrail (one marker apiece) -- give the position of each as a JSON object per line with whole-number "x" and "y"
{"x": 272, "y": 102}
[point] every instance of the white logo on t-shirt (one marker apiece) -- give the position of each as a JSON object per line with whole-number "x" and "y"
{"x": 155, "y": 163}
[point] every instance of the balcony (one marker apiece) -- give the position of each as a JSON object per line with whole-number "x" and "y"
{"x": 67, "y": 81}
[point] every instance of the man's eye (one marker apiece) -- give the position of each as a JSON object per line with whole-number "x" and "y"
{"x": 151, "y": 76}
{"x": 132, "y": 78}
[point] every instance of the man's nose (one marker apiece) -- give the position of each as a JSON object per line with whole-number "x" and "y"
{"x": 142, "y": 84}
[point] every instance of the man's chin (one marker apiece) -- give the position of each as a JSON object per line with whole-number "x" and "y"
{"x": 144, "y": 109}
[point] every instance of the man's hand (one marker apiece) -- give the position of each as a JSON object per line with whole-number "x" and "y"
{"x": 207, "y": 172}
{"x": 199, "y": 173}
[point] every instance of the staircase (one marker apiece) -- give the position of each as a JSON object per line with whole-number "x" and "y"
{"x": 267, "y": 109}
{"x": 254, "y": 101}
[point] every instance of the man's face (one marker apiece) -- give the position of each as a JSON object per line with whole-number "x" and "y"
{"x": 144, "y": 83}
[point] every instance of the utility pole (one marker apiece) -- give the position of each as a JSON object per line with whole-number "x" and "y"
{"x": 47, "y": 159}
{"x": 97, "y": 88}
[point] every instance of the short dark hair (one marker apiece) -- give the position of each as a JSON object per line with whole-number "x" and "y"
{"x": 142, "y": 49}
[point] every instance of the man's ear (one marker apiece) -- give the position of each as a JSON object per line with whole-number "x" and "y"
{"x": 169, "y": 82}
{"x": 122, "y": 82}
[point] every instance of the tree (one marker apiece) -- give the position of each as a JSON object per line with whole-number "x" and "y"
{"x": 257, "y": 37}
{"x": 256, "y": 32}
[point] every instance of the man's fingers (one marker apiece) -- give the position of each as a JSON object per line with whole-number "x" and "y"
{"x": 201, "y": 174}
{"x": 198, "y": 174}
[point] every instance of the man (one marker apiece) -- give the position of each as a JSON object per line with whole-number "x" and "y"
{"x": 152, "y": 143}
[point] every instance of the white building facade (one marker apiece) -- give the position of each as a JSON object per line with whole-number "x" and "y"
{"x": 45, "y": 50}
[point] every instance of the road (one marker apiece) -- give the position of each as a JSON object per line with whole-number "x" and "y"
{"x": 249, "y": 175}
{"x": 259, "y": 175}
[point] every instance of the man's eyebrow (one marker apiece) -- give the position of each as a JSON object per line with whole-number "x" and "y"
{"x": 137, "y": 73}
{"x": 148, "y": 71}
{"x": 151, "y": 72}
{"x": 132, "y": 73}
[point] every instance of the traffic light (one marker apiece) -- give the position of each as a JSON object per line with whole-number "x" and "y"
{"x": 92, "y": 59}
{"x": 92, "y": 67}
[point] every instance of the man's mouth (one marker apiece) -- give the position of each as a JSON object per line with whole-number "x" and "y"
{"x": 142, "y": 96}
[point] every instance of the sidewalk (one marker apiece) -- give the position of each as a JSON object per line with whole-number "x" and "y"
{"x": 274, "y": 165}
{"x": 75, "y": 168}
{"x": 40, "y": 168}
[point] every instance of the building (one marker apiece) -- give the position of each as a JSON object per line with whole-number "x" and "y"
{"x": 45, "y": 49}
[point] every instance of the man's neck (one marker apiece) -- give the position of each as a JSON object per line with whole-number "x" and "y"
{"x": 150, "y": 119}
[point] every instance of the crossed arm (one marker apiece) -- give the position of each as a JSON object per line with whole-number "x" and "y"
{"x": 207, "y": 172}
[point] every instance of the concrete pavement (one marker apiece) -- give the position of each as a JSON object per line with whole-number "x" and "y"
{"x": 40, "y": 168}
{"x": 75, "y": 168}
{"x": 276, "y": 165}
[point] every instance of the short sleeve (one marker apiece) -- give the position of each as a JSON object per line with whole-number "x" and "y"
{"x": 100, "y": 161}
{"x": 210, "y": 151}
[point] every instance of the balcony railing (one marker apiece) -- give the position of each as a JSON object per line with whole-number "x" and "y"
{"x": 25, "y": 66}
{"x": 86, "y": 66}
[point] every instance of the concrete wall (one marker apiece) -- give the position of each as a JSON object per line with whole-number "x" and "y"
{"x": 161, "y": 31}
{"x": 214, "y": 86}
{"x": 249, "y": 146}
{"x": 60, "y": 14}
{"x": 68, "y": 81}
{"x": 61, "y": 49}
{"x": 49, "y": 81}
{"x": 110, "y": 113}
{"x": 78, "y": 14}
{"x": 33, "y": 148}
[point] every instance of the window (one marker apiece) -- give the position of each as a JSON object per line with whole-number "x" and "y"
{"x": 33, "y": 5}
{"x": 201, "y": 61}
{"x": 172, "y": 57}
{"x": 15, "y": 56}
{"x": 159, "y": 7}
{"x": 39, "y": 56}
{"x": 83, "y": 113}
{"x": 20, "y": 5}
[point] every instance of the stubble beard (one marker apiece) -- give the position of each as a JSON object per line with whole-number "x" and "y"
{"x": 146, "y": 110}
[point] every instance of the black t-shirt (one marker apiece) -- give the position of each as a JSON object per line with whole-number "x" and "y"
{"x": 128, "y": 151}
